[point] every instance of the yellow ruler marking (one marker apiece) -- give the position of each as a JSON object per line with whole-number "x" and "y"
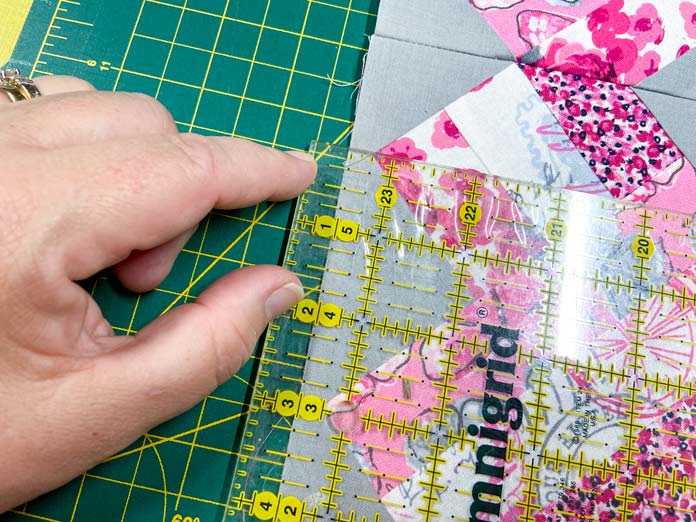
{"x": 304, "y": 381}
{"x": 498, "y": 304}
{"x": 327, "y": 269}
{"x": 419, "y": 266}
{"x": 281, "y": 481}
{"x": 575, "y": 515}
{"x": 388, "y": 450}
{"x": 397, "y": 376}
{"x": 322, "y": 194}
{"x": 295, "y": 430}
{"x": 288, "y": 455}
{"x": 411, "y": 309}
{"x": 666, "y": 507}
{"x": 395, "y": 400}
{"x": 415, "y": 287}
{"x": 427, "y": 205}
{"x": 333, "y": 249}
{"x": 581, "y": 414}
{"x": 513, "y": 222}
{"x": 313, "y": 359}
{"x": 427, "y": 226}
{"x": 388, "y": 327}
{"x": 378, "y": 501}
{"x": 318, "y": 336}
{"x": 401, "y": 352}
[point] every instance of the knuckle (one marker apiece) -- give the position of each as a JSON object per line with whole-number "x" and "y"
{"x": 196, "y": 154}
{"x": 151, "y": 109}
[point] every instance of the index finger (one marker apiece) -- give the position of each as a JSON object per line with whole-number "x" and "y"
{"x": 137, "y": 194}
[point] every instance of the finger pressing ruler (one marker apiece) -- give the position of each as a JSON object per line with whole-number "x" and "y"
{"x": 473, "y": 348}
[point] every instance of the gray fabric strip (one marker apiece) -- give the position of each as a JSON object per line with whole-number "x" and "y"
{"x": 454, "y": 25}
{"x": 677, "y": 116}
{"x": 677, "y": 79}
{"x": 405, "y": 83}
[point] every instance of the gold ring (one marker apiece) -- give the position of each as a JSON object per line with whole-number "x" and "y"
{"x": 16, "y": 87}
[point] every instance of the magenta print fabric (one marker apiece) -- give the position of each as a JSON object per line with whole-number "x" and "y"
{"x": 524, "y": 24}
{"x": 623, "y": 41}
{"x": 614, "y": 131}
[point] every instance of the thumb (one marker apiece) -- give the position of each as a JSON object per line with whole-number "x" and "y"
{"x": 168, "y": 367}
{"x": 182, "y": 356}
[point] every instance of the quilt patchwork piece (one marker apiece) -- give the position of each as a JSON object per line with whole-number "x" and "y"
{"x": 572, "y": 119}
{"x": 565, "y": 116}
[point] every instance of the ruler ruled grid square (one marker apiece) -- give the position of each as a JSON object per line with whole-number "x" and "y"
{"x": 223, "y": 68}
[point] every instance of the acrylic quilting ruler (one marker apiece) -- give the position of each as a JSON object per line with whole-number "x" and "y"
{"x": 477, "y": 349}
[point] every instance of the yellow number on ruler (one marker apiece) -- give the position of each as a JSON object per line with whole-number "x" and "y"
{"x": 181, "y": 518}
{"x": 643, "y": 247}
{"x": 311, "y": 408}
{"x": 330, "y": 315}
{"x": 265, "y": 505}
{"x": 386, "y": 196}
{"x": 313, "y": 312}
{"x": 329, "y": 227}
{"x": 291, "y": 404}
{"x": 287, "y": 402}
{"x": 470, "y": 213}
{"x": 556, "y": 230}
{"x": 324, "y": 226}
{"x": 347, "y": 230}
{"x": 290, "y": 510}
{"x": 307, "y": 311}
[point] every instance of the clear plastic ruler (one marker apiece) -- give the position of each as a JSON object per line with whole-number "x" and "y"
{"x": 476, "y": 349}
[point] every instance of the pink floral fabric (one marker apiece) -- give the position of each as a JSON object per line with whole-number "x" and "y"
{"x": 524, "y": 24}
{"x": 447, "y": 135}
{"x": 439, "y": 141}
{"x": 688, "y": 12}
{"x": 623, "y": 41}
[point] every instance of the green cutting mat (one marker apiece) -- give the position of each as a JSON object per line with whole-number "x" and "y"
{"x": 279, "y": 72}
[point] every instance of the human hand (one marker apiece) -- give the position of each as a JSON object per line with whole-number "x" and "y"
{"x": 92, "y": 180}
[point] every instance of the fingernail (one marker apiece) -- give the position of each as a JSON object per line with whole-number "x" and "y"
{"x": 301, "y": 155}
{"x": 283, "y": 299}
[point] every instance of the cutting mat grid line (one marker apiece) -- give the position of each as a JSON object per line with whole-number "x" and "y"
{"x": 270, "y": 71}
